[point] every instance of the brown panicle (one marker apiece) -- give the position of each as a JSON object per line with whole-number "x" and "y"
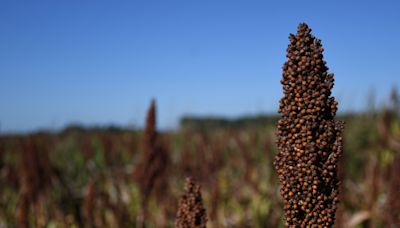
{"x": 191, "y": 212}
{"x": 309, "y": 138}
{"x": 151, "y": 168}
{"x": 151, "y": 171}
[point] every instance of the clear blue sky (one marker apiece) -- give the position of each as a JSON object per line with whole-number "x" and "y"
{"x": 100, "y": 62}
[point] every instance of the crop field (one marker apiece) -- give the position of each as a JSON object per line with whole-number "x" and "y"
{"x": 302, "y": 168}
{"x": 86, "y": 177}
{"x": 307, "y": 163}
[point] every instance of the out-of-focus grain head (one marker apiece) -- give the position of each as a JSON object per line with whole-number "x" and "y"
{"x": 191, "y": 212}
{"x": 150, "y": 131}
{"x": 148, "y": 145}
{"x": 151, "y": 171}
{"x": 309, "y": 139}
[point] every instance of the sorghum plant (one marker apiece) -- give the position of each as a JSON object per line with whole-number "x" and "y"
{"x": 191, "y": 212}
{"x": 392, "y": 209}
{"x": 309, "y": 139}
{"x": 36, "y": 175}
{"x": 150, "y": 173}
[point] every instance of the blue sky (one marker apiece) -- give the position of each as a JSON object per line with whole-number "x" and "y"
{"x": 101, "y": 62}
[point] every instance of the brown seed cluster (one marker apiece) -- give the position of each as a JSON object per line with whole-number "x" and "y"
{"x": 150, "y": 131}
{"x": 191, "y": 212}
{"x": 309, "y": 139}
{"x": 151, "y": 170}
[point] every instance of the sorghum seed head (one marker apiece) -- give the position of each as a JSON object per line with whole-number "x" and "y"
{"x": 191, "y": 212}
{"x": 309, "y": 139}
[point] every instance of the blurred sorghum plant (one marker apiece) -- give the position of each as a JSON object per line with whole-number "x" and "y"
{"x": 35, "y": 169}
{"x": 391, "y": 214}
{"x": 309, "y": 139}
{"x": 151, "y": 171}
{"x": 191, "y": 212}
{"x": 35, "y": 177}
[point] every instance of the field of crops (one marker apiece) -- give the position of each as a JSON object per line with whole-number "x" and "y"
{"x": 89, "y": 177}
{"x": 306, "y": 167}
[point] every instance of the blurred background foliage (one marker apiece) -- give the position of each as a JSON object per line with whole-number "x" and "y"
{"x": 82, "y": 177}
